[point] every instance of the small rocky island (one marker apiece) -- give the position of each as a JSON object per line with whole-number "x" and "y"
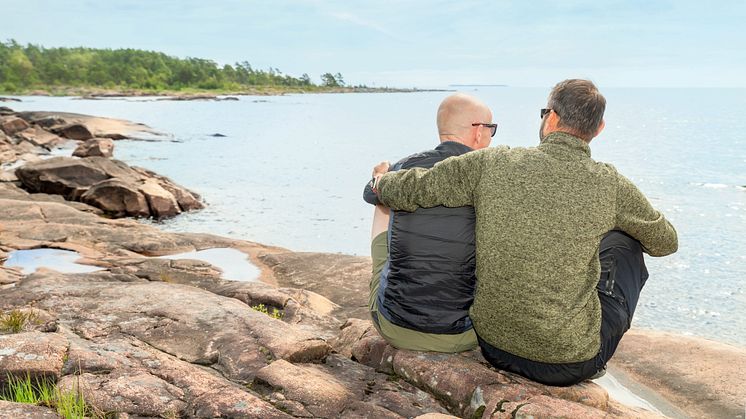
{"x": 153, "y": 337}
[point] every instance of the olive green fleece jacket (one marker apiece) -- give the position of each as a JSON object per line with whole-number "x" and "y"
{"x": 541, "y": 214}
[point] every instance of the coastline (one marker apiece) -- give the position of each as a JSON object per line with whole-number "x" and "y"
{"x": 317, "y": 292}
{"x": 202, "y": 94}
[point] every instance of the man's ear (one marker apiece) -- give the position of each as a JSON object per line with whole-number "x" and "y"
{"x": 600, "y": 128}
{"x": 478, "y": 137}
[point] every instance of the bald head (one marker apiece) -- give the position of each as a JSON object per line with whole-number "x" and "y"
{"x": 456, "y": 114}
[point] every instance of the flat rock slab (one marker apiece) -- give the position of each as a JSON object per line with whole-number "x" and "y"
{"x": 342, "y": 279}
{"x": 10, "y": 410}
{"x": 192, "y": 324}
{"x": 703, "y": 378}
{"x": 34, "y": 353}
{"x": 135, "y": 392}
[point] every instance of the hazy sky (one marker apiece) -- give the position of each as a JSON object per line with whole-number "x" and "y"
{"x": 420, "y": 43}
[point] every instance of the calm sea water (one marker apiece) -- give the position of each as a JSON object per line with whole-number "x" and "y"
{"x": 290, "y": 172}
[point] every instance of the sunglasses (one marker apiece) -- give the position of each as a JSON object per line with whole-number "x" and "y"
{"x": 492, "y": 127}
{"x": 544, "y": 112}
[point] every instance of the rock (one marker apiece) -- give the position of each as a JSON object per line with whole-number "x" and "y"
{"x": 40, "y": 137}
{"x": 186, "y": 199}
{"x": 135, "y": 392}
{"x": 103, "y": 147}
{"x": 61, "y": 175}
{"x": 9, "y": 99}
{"x": 699, "y": 376}
{"x": 341, "y": 278}
{"x": 12, "y": 125}
{"x": 4, "y": 110}
{"x": 217, "y": 134}
{"x": 160, "y": 202}
{"x": 319, "y": 393}
{"x": 36, "y": 354}
{"x": 211, "y": 330}
{"x": 117, "y": 198}
{"x": 10, "y": 410}
{"x": 108, "y": 184}
{"x": 48, "y": 121}
{"x": 78, "y": 132}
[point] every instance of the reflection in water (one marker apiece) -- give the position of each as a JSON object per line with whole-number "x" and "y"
{"x": 234, "y": 263}
{"x": 57, "y": 259}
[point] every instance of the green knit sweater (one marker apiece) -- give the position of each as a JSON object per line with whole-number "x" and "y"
{"x": 541, "y": 214}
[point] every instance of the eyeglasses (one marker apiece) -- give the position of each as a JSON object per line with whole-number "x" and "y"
{"x": 492, "y": 127}
{"x": 544, "y": 112}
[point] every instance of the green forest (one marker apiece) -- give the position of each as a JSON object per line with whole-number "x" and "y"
{"x": 26, "y": 68}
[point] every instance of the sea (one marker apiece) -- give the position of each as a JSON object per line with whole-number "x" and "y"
{"x": 289, "y": 171}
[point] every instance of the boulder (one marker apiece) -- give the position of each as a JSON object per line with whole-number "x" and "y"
{"x": 61, "y": 175}
{"x": 161, "y": 202}
{"x": 12, "y": 125}
{"x": 4, "y": 110}
{"x": 78, "y": 132}
{"x": 9, "y": 99}
{"x": 108, "y": 184}
{"x": 103, "y": 147}
{"x": 117, "y": 198}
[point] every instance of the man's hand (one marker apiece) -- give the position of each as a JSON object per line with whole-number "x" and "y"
{"x": 381, "y": 168}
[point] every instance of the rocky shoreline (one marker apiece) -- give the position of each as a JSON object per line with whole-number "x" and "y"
{"x": 156, "y": 337}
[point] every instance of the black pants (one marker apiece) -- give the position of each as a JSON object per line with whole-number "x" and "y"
{"x": 623, "y": 275}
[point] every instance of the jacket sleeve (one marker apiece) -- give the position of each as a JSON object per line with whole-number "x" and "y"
{"x": 368, "y": 195}
{"x": 450, "y": 182}
{"x": 636, "y": 217}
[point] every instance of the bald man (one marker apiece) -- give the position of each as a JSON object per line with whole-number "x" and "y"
{"x": 423, "y": 276}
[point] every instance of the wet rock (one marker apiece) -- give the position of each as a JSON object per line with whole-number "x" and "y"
{"x": 103, "y": 147}
{"x": 9, "y": 99}
{"x": 34, "y": 353}
{"x": 12, "y": 410}
{"x": 78, "y": 132}
{"x": 4, "y": 111}
{"x": 11, "y": 125}
{"x": 135, "y": 392}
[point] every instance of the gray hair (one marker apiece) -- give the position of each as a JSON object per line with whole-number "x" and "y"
{"x": 579, "y": 105}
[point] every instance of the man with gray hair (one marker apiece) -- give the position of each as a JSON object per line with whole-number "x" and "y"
{"x": 559, "y": 239}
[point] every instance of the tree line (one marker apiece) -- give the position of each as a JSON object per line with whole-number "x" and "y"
{"x": 34, "y": 67}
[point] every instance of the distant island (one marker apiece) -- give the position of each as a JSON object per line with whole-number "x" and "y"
{"x": 35, "y": 70}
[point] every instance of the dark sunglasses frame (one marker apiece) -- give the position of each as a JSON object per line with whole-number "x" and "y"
{"x": 544, "y": 111}
{"x": 492, "y": 127}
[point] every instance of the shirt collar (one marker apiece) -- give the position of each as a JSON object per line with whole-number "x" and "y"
{"x": 454, "y": 147}
{"x": 567, "y": 142}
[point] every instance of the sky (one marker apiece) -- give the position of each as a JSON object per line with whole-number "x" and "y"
{"x": 417, "y": 43}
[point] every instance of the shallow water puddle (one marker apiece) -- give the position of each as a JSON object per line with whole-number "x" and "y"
{"x": 234, "y": 263}
{"x": 60, "y": 260}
